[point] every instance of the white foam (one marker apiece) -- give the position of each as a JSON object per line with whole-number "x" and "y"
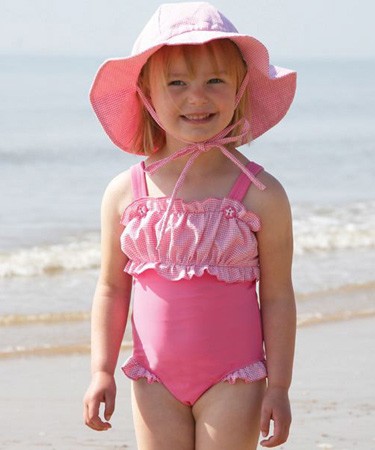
{"x": 334, "y": 228}
{"x": 76, "y": 255}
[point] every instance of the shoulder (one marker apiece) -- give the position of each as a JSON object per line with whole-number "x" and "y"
{"x": 271, "y": 204}
{"x": 118, "y": 193}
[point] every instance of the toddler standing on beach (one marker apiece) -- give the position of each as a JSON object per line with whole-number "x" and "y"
{"x": 191, "y": 230}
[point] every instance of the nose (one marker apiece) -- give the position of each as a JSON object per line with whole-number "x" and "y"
{"x": 197, "y": 95}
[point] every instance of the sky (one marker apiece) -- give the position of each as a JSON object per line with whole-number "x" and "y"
{"x": 289, "y": 28}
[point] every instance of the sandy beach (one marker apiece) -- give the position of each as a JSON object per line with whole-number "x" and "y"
{"x": 56, "y": 162}
{"x": 332, "y": 396}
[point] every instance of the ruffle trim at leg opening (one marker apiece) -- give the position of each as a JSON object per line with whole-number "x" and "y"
{"x": 133, "y": 370}
{"x": 253, "y": 372}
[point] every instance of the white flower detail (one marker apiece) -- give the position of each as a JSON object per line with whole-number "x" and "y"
{"x": 230, "y": 212}
{"x": 142, "y": 210}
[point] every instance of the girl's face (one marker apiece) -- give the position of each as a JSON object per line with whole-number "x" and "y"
{"x": 194, "y": 103}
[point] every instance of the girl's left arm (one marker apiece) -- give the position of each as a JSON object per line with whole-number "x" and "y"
{"x": 275, "y": 246}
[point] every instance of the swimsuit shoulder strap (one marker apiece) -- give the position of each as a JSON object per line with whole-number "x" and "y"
{"x": 139, "y": 186}
{"x": 243, "y": 182}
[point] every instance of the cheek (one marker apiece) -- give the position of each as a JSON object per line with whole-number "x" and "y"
{"x": 162, "y": 101}
{"x": 163, "y": 110}
{"x": 229, "y": 103}
{"x": 157, "y": 94}
{"x": 227, "y": 96}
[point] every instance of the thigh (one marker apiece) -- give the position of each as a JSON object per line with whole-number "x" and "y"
{"x": 228, "y": 416}
{"x": 161, "y": 422}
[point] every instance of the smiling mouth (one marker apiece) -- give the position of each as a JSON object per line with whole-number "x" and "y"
{"x": 198, "y": 117}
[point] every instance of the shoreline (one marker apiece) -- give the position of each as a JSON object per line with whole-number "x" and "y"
{"x": 331, "y": 396}
{"x": 304, "y": 320}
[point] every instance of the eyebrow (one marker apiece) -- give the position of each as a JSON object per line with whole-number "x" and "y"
{"x": 182, "y": 74}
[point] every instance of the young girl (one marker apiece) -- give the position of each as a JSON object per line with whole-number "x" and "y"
{"x": 191, "y": 229}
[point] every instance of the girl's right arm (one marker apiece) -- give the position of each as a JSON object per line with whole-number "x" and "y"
{"x": 110, "y": 306}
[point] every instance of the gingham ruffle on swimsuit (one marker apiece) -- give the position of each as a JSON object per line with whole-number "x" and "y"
{"x": 214, "y": 236}
{"x": 249, "y": 374}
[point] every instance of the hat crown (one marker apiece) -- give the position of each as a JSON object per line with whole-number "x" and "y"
{"x": 174, "y": 19}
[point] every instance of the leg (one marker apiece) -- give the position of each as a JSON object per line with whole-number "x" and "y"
{"x": 161, "y": 422}
{"x": 228, "y": 416}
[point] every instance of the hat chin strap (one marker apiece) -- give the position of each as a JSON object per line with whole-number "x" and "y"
{"x": 195, "y": 149}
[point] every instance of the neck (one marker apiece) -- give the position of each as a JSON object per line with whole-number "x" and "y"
{"x": 205, "y": 162}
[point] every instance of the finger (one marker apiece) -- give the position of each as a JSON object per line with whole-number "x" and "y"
{"x": 272, "y": 441}
{"x": 109, "y": 407}
{"x": 281, "y": 428}
{"x": 265, "y": 420}
{"x": 279, "y": 436}
{"x": 281, "y": 432}
{"x": 97, "y": 424}
{"x": 92, "y": 417}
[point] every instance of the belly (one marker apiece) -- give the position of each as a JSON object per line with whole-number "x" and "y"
{"x": 200, "y": 324}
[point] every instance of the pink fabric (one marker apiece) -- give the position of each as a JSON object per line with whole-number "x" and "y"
{"x": 135, "y": 371}
{"x": 253, "y": 372}
{"x": 214, "y": 236}
{"x": 196, "y": 318}
{"x": 192, "y": 334}
{"x": 249, "y": 374}
{"x": 241, "y": 186}
{"x": 139, "y": 185}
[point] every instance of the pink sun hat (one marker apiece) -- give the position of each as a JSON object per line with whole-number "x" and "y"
{"x": 114, "y": 94}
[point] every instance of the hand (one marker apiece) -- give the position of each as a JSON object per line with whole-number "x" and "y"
{"x": 101, "y": 390}
{"x": 275, "y": 407}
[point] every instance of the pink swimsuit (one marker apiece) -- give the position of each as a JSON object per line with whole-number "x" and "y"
{"x": 196, "y": 318}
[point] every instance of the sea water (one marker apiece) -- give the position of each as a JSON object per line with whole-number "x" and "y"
{"x": 55, "y": 162}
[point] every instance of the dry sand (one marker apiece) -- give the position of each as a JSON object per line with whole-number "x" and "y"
{"x": 332, "y": 396}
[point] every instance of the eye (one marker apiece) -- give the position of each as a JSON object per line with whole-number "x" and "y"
{"x": 215, "y": 81}
{"x": 176, "y": 83}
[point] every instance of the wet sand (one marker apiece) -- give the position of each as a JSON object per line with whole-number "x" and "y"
{"x": 332, "y": 396}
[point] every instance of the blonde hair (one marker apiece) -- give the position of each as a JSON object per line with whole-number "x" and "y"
{"x": 149, "y": 137}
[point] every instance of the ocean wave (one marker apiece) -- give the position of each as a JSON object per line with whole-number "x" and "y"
{"x": 316, "y": 229}
{"x": 46, "y": 318}
{"x": 329, "y": 228}
{"x": 340, "y": 290}
{"x": 82, "y": 254}
{"x": 50, "y": 350}
{"x": 304, "y": 320}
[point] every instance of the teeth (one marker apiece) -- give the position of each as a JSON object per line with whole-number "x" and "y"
{"x": 197, "y": 116}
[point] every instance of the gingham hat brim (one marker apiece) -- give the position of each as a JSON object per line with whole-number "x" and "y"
{"x": 118, "y": 107}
